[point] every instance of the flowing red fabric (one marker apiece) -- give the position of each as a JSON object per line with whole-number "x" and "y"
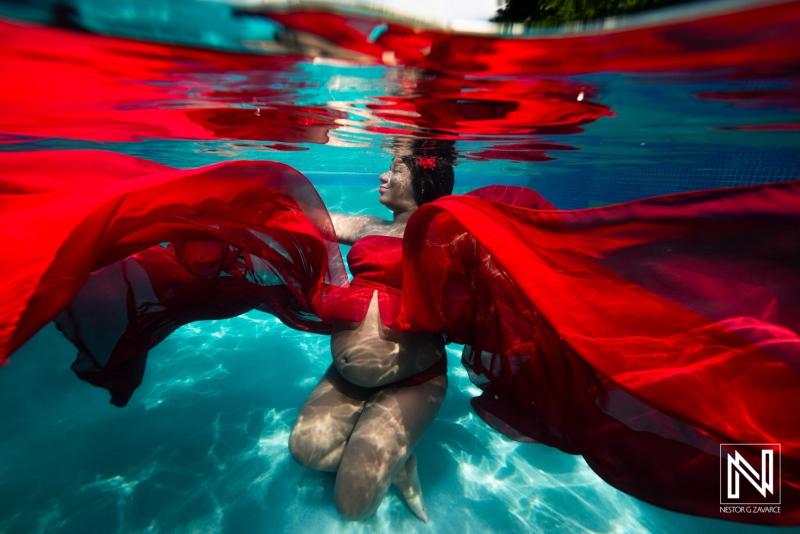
{"x": 104, "y": 89}
{"x": 753, "y": 38}
{"x": 641, "y": 336}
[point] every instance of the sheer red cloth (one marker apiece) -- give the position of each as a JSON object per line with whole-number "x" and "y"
{"x": 641, "y": 336}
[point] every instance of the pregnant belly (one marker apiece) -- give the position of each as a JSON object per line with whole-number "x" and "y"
{"x": 370, "y": 354}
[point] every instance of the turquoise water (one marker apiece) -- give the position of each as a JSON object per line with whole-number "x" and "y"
{"x": 202, "y": 446}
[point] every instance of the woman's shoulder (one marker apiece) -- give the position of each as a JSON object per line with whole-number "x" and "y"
{"x": 351, "y": 228}
{"x": 384, "y": 228}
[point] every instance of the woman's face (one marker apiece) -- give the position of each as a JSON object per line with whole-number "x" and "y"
{"x": 396, "y": 190}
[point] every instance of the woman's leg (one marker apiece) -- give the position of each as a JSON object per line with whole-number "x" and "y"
{"x": 326, "y": 421}
{"x": 388, "y": 429}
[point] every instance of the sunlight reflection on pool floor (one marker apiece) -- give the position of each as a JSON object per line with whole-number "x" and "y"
{"x": 202, "y": 447}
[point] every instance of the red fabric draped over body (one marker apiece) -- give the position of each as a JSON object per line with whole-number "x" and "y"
{"x": 641, "y": 336}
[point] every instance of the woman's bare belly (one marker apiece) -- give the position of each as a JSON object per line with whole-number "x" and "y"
{"x": 370, "y": 354}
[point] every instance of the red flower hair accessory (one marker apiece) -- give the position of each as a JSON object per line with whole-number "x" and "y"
{"x": 427, "y": 162}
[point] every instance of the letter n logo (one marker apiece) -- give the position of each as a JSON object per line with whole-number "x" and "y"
{"x": 750, "y": 473}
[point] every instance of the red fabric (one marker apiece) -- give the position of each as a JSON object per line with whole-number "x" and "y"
{"x": 376, "y": 263}
{"x": 61, "y": 84}
{"x": 377, "y": 260}
{"x": 641, "y": 335}
{"x": 92, "y": 222}
{"x": 756, "y": 39}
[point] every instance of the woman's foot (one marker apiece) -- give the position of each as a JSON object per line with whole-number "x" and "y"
{"x": 407, "y": 481}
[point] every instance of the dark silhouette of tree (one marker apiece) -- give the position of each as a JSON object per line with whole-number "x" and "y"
{"x": 550, "y": 12}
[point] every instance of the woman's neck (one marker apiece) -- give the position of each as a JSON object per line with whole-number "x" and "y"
{"x": 402, "y": 217}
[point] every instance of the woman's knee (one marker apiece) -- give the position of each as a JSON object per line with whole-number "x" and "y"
{"x": 358, "y": 493}
{"x": 314, "y": 449}
{"x": 298, "y": 446}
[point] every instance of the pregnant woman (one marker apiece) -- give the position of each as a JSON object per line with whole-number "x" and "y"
{"x": 375, "y": 402}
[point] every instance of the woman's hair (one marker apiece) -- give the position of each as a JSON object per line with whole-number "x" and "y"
{"x": 431, "y": 165}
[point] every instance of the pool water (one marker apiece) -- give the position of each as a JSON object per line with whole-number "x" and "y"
{"x": 202, "y": 446}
